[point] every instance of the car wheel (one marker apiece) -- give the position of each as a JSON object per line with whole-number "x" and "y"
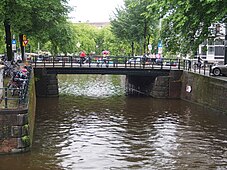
{"x": 216, "y": 71}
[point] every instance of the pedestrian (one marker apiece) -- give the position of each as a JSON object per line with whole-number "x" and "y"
{"x": 82, "y": 57}
{"x": 199, "y": 62}
{"x": 189, "y": 65}
{"x": 144, "y": 58}
{"x": 105, "y": 59}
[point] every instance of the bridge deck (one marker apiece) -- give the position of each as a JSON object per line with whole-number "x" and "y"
{"x": 93, "y": 68}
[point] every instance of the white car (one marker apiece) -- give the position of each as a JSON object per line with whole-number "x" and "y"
{"x": 135, "y": 60}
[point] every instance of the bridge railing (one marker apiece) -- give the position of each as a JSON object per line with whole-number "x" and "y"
{"x": 108, "y": 61}
{"x": 141, "y": 62}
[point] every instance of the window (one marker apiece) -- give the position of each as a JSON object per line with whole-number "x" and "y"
{"x": 210, "y": 41}
{"x": 219, "y": 42}
{"x": 219, "y": 51}
{"x": 210, "y": 50}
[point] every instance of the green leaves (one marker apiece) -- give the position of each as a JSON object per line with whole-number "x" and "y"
{"x": 133, "y": 25}
{"x": 185, "y": 23}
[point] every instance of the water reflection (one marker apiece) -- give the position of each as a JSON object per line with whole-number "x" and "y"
{"x": 101, "y": 86}
{"x": 85, "y": 130}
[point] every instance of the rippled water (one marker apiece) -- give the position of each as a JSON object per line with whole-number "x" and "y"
{"x": 92, "y": 125}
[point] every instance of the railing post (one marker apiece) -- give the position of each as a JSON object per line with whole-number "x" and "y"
{"x": 179, "y": 61}
{"x": 6, "y": 99}
{"x": 204, "y": 69}
{"x": 71, "y": 60}
{"x": 210, "y": 68}
{"x": 35, "y": 60}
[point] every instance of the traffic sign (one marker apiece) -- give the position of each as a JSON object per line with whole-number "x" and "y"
{"x": 13, "y": 41}
{"x": 24, "y": 37}
{"x": 25, "y": 42}
{"x": 150, "y": 47}
{"x": 160, "y": 44}
{"x": 14, "y": 47}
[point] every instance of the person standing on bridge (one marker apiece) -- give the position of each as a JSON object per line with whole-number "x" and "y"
{"x": 105, "y": 54}
{"x": 82, "y": 57}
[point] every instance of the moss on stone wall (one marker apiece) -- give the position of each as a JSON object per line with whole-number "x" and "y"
{"x": 31, "y": 107}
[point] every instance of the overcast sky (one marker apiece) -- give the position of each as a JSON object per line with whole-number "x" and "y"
{"x": 93, "y": 10}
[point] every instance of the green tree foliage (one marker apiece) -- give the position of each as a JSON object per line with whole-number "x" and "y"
{"x": 95, "y": 40}
{"x": 185, "y": 22}
{"x": 133, "y": 26}
{"x": 34, "y": 17}
{"x": 2, "y": 41}
{"x": 85, "y": 35}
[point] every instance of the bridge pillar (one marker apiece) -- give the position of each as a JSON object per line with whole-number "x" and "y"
{"x": 157, "y": 86}
{"x": 46, "y": 84}
{"x": 168, "y": 86}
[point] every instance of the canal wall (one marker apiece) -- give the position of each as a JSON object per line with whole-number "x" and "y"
{"x": 17, "y": 125}
{"x": 204, "y": 90}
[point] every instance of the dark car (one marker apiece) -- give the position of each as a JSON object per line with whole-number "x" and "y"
{"x": 218, "y": 70}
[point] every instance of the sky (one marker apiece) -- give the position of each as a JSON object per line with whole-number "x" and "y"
{"x": 93, "y": 10}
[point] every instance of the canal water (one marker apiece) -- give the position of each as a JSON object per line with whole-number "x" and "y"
{"x": 94, "y": 126}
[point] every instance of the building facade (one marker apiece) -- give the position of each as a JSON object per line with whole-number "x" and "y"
{"x": 213, "y": 49}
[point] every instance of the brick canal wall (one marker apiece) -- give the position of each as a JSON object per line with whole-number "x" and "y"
{"x": 203, "y": 90}
{"x": 17, "y": 125}
{"x": 199, "y": 89}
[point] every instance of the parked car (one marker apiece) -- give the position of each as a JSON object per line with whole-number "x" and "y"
{"x": 218, "y": 70}
{"x": 171, "y": 63}
{"x": 135, "y": 60}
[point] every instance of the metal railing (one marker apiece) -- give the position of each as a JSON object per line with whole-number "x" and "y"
{"x": 122, "y": 62}
{"x": 15, "y": 97}
{"x": 109, "y": 61}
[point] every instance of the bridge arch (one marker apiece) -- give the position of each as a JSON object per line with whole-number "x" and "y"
{"x": 154, "y": 83}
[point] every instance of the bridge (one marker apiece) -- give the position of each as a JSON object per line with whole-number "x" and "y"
{"x": 141, "y": 73}
{"x": 111, "y": 65}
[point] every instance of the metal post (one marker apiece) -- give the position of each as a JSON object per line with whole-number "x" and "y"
{"x": 225, "y": 57}
{"x": 6, "y": 99}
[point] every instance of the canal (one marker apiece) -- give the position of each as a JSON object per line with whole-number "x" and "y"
{"x": 94, "y": 126}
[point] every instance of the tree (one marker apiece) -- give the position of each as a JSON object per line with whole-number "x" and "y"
{"x": 185, "y": 23}
{"x": 33, "y": 17}
{"x": 132, "y": 25}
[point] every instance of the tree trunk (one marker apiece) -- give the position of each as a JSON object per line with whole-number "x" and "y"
{"x": 132, "y": 48}
{"x": 144, "y": 36}
{"x": 8, "y": 40}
